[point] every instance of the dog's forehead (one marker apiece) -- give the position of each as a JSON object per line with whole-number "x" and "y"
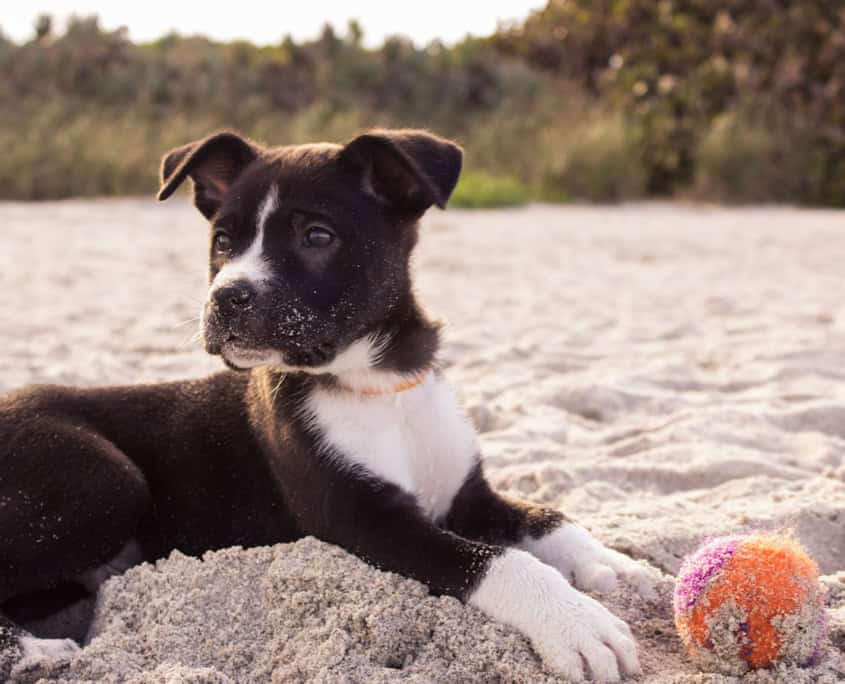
{"x": 303, "y": 157}
{"x": 302, "y": 175}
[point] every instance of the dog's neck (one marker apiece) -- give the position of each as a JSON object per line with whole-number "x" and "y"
{"x": 411, "y": 342}
{"x": 408, "y": 344}
{"x": 395, "y": 357}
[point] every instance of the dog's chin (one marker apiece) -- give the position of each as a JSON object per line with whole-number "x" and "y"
{"x": 240, "y": 354}
{"x": 244, "y": 349}
{"x": 242, "y": 359}
{"x": 235, "y": 354}
{"x": 238, "y": 357}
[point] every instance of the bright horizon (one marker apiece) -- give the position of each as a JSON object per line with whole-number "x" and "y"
{"x": 264, "y": 25}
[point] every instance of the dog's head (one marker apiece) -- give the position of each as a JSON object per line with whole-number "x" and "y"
{"x": 310, "y": 244}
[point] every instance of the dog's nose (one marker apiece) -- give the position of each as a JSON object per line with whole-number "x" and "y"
{"x": 234, "y": 297}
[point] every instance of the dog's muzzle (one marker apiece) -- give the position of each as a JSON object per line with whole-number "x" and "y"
{"x": 229, "y": 317}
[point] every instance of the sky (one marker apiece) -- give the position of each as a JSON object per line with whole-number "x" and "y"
{"x": 267, "y": 22}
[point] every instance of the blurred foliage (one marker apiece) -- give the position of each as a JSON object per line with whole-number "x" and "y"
{"x": 743, "y": 158}
{"x": 478, "y": 190}
{"x": 601, "y": 160}
{"x": 740, "y": 100}
{"x": 701, "y": 79}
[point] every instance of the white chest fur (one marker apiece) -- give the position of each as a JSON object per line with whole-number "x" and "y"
{"x": 419, "y": 439}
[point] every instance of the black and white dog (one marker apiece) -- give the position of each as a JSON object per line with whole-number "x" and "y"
{"x": 333, "y": 421}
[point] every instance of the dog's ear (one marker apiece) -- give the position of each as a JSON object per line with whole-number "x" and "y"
{"x": 212, "y": 163}
{"x": 407, "y": 169}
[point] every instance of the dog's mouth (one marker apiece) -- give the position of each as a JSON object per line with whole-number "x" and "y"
{"x": 247, "y": 342}
{"x": 237, "y": 357}
{"x": 239, "y": 349}
{"x": 241, "y": 354}
{"x": 285, "y": 335}
{"x": 218, "y": 340}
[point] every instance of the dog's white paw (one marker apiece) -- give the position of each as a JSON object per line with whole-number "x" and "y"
{"x": 589, "y": 564}
{"x": 36, "y": 654}
{"x": 33, "y": 648}
{"x": 598, "y": 639}
{"x": 568, "y": 629}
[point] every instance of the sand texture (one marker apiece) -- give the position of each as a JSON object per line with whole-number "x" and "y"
{"x": 662, "y": 374}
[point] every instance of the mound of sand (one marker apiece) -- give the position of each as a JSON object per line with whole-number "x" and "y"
{"x": 294, "y": 612}
{"x": 662, "y": 374}
{"x": 309, "y": 612}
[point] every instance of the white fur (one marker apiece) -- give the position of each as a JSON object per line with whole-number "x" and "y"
{"x": 588, "y": 563}
{"x": 34, "y": 649}
{"x": 354, "y": 366}
{"x": 251, "y": 265}
{"x": 420, "y": 439}
{"x": 361, "y": 354}
{"x": 250, "y": 358}
{"x": 564, "y": 625}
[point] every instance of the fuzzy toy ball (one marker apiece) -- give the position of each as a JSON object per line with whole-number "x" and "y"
{"x": 749, "y": 601}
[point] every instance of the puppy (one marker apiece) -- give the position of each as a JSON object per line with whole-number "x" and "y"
{"x": 333, "y": 420}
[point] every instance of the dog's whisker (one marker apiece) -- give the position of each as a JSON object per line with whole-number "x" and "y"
{"x": 193, "y": 320}
{"x": 191, "y": 341}
{"x": 275, "y": 391}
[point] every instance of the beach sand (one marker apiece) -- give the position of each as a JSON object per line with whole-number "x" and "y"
{"x": 660, "y": 373}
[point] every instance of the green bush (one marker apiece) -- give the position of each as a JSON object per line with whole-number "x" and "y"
{"x": 743, "y": 161}
{"x": 599, "y": 100}
{"x": 672, "y": 68}
{"x": 479, "y": 190}
{"x": 749, "y": 156}
{"x": 600, "y": 160}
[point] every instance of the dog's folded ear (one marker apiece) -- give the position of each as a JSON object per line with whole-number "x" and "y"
{"x": 407, "y": 169}
{"x": 212, "y": 163}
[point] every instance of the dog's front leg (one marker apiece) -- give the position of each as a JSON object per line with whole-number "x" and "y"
{"x": 384, "y": 525}
{"x": 480, "y": 513}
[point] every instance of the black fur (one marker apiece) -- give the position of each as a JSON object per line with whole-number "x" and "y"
{"x": 228, "y": 460}
{"x": 480, "y": 513}
{"x": 321, "y": 300}
{"x": 213, "y": 164}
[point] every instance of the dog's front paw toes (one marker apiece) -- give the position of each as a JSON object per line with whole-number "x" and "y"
{"x": 592, "y": 566}
{"x": 590, "y": 636}
{"x": 643, "y": 577}
{"x": 573, "y": 633}
{"x": 602, "y": 569}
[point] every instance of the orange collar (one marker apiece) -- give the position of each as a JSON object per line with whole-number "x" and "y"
{"x": 403, "y": 386}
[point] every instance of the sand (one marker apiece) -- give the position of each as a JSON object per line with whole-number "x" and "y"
{"x": 660, "y": 373}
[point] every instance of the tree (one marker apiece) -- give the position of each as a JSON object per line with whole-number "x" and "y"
{"x": 43, "y": 28}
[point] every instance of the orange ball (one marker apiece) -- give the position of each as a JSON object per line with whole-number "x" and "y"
{"x": 745, "y": 602}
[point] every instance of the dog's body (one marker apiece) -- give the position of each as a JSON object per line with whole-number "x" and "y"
{"x": 342, "y": 428}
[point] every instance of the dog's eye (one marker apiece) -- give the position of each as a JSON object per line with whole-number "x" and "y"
{"x": 222, "y": 243}
{"x": 318, "y": 236}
